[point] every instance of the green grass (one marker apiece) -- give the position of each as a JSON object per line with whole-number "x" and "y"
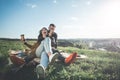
{"x": 99, "y": 65}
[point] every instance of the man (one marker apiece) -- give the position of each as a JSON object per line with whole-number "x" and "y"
{"x": 53, "y": 35}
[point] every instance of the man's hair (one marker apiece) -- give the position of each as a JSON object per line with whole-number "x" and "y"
{"x": 52, "y": 25}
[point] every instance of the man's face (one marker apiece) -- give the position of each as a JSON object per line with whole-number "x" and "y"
{"x": 51, "y": 28}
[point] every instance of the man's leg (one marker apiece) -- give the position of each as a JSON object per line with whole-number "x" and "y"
{"x": 60, "y": 57}
{"x": 67, "y": 60}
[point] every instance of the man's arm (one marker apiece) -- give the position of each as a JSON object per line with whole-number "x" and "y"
{"x": 56, "y": 40}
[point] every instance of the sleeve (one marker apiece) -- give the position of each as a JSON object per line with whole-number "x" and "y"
{"x": 35, "y": 44}
{"x": 56, "y": 40}
{"x": 28, "y": 45}
{"x": 32, "y": 46}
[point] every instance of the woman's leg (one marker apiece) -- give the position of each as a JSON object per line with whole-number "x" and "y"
{"x": 47, "y": 45}
{"x": 44, "y": 59}
{"x": 40, "y": 69}
{"x": 40, "y": 49}
{"x": 48, "y": 50}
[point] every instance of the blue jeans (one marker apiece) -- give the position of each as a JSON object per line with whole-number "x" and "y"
{"x": 42, "y": 51}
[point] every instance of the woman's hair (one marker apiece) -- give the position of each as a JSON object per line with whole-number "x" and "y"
{"x": 40, "y": 37}
{"x": 41, "y": 30}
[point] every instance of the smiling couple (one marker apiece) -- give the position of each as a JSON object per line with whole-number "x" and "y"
{"x": 46, "y": 50}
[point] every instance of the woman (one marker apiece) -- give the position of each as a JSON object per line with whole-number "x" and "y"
{"x": 44, "y": 52}
{"x": 42, "y": 49}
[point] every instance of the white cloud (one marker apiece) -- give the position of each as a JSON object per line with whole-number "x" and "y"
{"x": 31, "y": 5}
{"x": 74, "y": 5}
{"x": 55, "y": 1}
{"x": 74, "y": 19}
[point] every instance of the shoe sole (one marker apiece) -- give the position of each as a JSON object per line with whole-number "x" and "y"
{"x": 40, "y": 72}
{"x": 54, "y": 58}
{"x": 73, "y": 58}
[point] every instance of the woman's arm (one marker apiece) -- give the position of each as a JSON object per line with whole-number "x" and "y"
{"x": 28, "y": 45}
{"x": 24, "y": 41}
{"x": 35, "y": 45}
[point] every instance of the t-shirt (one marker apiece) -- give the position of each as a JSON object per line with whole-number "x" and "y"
{"x": 54, "y": 40}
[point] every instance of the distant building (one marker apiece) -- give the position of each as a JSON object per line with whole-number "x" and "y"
{"x": 91, "y": 44}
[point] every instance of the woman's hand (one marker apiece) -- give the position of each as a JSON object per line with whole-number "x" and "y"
{"x": 22, "y": 38}
{"x": 49, "y": 53}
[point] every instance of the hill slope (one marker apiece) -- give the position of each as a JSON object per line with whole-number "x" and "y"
{"x": 99, "y": 65}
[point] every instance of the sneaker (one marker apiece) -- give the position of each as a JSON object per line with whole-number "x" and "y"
{"x": 70, "y": 58}
{"x": 40, "y": 70}
{"x": 53, "y": 57}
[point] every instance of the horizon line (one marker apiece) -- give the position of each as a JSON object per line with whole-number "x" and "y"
{"x": 61, "y": 38}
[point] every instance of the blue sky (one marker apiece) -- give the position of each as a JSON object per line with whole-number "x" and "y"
{"x": 73, "y": 18}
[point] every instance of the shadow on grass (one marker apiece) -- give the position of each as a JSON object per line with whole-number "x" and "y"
{"x": 28, "y": 72}
{"x": 25, "y": 73}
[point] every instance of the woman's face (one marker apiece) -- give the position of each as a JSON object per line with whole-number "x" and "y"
{"x": 44, "y": 32}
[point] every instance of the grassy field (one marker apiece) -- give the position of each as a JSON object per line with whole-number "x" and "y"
{"x": 99, "y": 65}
